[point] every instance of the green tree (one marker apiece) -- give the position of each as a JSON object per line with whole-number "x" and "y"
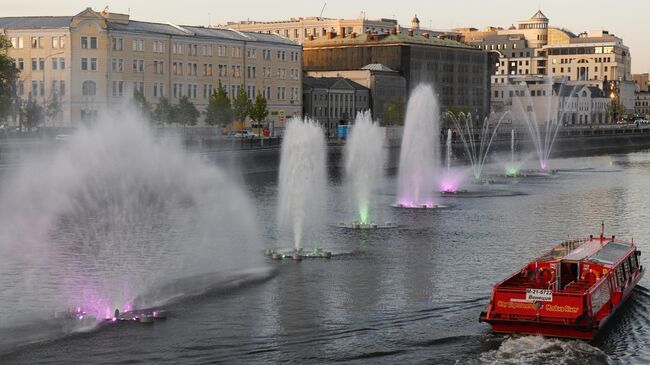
{"x": 185, "y": 112}
{"x": 8, "y": 77}
{"x": 394, "y": 112}
{"x": 241, "y": 106}
{"x": 53, "y": 107}
{"x": 142, "y": 106}
{"x": 164, "y": 112}
{"x": 31, "y": 115}
{"x": 258, "y": 111}
{"x": 219, "y": 109}
{"x": 614, "y": 110}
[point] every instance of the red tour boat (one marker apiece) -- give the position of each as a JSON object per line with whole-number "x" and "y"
{"x": 570, "y": 291}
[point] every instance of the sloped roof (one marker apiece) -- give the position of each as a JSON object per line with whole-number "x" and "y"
{"x": 32, "y": 22}
{"x": 384, "y": 39}
{"x": 377, "y": 67}
{"x": 539, "y": 15}
{"x": 48, "y": 22}
{"x": 331, "y": 83}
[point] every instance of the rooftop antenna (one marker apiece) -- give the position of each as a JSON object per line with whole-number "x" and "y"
{"x": 209, "y": 20}
{"x": 322, "y": 9}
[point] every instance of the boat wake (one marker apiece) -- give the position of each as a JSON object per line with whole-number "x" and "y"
{"x": 49, "y": 327}
{"x": 542, "y": 350}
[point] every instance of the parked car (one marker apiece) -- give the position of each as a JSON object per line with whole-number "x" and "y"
{"x": 245, "y": 134}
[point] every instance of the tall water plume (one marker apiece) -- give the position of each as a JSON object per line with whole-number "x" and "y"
{"x": 111, "y": 214}
{"x": 364, "y": 163}
{"x": 420, "y": 150}
{"x": 543, "y": 116}
{"x": 302, "y": 186}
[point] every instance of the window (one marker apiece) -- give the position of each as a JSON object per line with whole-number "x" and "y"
{"x": 177, "y": 90}
{"x": 61, "y": 63}
{"x": 250, "y": 92}
{"x": 207, "y": 69}
{"x": 88, "y": 88}
{"x": 93, "y": 64}
{"x": 236, "y": 71}
{"x": 55, "y": 42}
{"x": 158, "y": 67}
{"x": 35, "y": 42}
{"x": 281, "y": 92}
{"x": 41, "y": 64}
{"x": 192, "y": 50}
{"x": 251, "y": 72}
{"x": 34, "y": 88}
{"x": 177, "y": 68}
{"x": 117, "y": 44}
{"x": 207, "y": 91}
{"x": 223, "y": 70}
{"x": 138, "y": 65}
{"x": 236, "y": 51}
{"x": 251, "y": 53}
{"x": 34, "y": 64}
{"x": 62, "y": 42}
{"x": 84, "y": 42}
{"x": 138, "y": 45}
{"x": 20, "y": 88}
{"x": 138, "y": 86}
{"x": 266, "y": 54}
{"x": 16, "y": 42}
{"x": 93, "y": 42}
{"x": 118, "y": 88}
{"x": 62, "y": 87}
{"x": 55, "y": 63}
{"x": 84, "y": 64}
{"x": 177, "y": 48}
{"x": 207, "y": 50}
{"x": 221, "y": 51}
{"x": 158, "y": 89}
{"x": 158, "y": 46}
{"x": 117, "y": 65}
{"x": 21, "y": 64}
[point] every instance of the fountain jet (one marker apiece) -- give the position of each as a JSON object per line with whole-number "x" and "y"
{"x": 302, "y": 185}
{"x": 419, "y": 155}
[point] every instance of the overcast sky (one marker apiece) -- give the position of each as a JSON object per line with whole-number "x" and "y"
{"x": 625, "y": 18}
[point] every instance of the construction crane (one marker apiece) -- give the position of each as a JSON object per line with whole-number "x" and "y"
{"x": 322, "y": 10}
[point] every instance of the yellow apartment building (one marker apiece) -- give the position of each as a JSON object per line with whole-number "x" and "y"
{"x": 93, "y": 61}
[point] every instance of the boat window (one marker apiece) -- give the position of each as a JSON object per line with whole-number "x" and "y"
{"x": 620, "y": 275}
{"x": 626, "y": 266}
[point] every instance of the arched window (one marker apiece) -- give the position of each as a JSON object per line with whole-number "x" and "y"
{"x": 88, "y": 88}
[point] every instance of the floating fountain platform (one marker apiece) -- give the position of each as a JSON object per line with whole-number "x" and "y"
{"x": 529, "y": 173}
{"x": 419, "y": 207}
{"x": 366, "y": 226}
{"x": 298, "y": 255}
{"x": 141, "y": 316}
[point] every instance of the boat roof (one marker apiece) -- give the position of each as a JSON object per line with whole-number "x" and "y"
{"x": 604, "y": 251}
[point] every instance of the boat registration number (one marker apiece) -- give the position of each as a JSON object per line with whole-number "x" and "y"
{"x": 539, "y": 295}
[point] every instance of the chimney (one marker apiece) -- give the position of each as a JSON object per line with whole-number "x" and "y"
{"x": 393, "y": 31}
{"x": 410, "y": 32}
{"x": 426, "y": 35}
{"x": 342, "y": 32}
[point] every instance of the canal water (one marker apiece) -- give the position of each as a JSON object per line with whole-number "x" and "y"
{"x": 407, "y": 295}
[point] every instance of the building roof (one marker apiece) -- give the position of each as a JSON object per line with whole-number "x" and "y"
{"x": 330, "y": 83}
{"x": 377, "y": 67}
{"x": 539, "y": 15}
{"x": 49, "y": 22}
{"x": 573, "y": 90}
{"x": 383, "y": 39}
{"x": 32, "y": 22}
